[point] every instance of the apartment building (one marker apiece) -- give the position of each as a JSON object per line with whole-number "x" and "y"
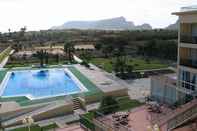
{"x": 186, "y": 86}
{"x": 187, "y": 54}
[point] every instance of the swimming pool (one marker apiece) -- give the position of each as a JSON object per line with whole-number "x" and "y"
{"x": 40, "y": 83}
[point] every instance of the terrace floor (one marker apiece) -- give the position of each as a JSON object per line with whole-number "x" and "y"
{"x": 139, "y": 119}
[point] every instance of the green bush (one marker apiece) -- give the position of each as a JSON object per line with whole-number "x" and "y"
{"x": 85, "y": 63}
{"x": 108, "y": 105}
{"x": 86, "y": 120}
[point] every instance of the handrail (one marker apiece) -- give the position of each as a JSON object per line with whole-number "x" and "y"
{"x": 105, "y": 124}
{"x": 173, "y": 114}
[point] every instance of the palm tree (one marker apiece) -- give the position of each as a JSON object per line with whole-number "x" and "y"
{"x": 66, "y": 48}
{"x": 20, "y": 36}
{"x": 57, "y": 58}
{"x": 107, "y": 45}
{"x": 9, "y": 32}
{"x": 120, "y": 65}
{"x": 41, "y": 55}
{"x": 46, "y": 57}
{"x": 69, "y": 50}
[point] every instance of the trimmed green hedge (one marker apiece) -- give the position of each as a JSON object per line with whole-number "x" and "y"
{"x": 87, "y": 119}
{"x": 36, "y": 128}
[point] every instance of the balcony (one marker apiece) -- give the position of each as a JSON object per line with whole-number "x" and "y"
{"x": 188, "y": 62}
{"x": 187, "y": 38}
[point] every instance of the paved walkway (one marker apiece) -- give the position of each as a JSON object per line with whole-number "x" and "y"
{"x": 139, "y": 88}
{"x": 77, "y": 59}
{"x": 104, "y": 81}
{"x": 3, "y": 63}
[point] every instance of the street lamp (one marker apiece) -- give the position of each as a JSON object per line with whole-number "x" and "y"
{"x": 28, "y": 121}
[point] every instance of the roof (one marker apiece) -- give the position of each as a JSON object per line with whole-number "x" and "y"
{"x": 186, "y": 10}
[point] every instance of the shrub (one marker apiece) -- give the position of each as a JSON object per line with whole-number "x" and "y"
{"x": 85, "y": 63}
{"x": 108, "y": 105}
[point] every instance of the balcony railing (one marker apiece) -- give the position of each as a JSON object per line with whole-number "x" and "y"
{"x": 187, "y": 38}
{"x": 189, "y": 62}
{"x": 187, "y": 87}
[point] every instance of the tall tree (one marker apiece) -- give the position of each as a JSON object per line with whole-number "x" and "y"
{"x": 46, "y": 57}
{"x": 120, "y": 65}
{"x": 69, "y": 50}
{"x": 40, "y": 55}
{"x": 57, "y": 58}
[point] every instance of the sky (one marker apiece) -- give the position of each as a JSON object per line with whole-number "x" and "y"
{"x": 43, "y": 14}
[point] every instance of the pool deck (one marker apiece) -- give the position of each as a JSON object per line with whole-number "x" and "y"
{"x": 103, "y": 80}
{"x": 9, "y": 106}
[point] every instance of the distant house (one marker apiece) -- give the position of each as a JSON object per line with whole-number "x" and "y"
{"x": 85, "y": 46}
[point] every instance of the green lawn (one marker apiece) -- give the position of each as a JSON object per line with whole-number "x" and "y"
{"x": 141, "y": 64}
{"x": 105, "y": 63}
{"x": 138, "y": 63}
{"x": 29, "y": 64}
{"x": 126, "y": 103}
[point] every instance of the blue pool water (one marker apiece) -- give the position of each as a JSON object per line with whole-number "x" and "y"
{"x": 40, "y": 83}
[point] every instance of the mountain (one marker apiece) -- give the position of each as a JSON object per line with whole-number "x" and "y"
{"x": 118, "y": 23}
{"x": 173, "y": 26}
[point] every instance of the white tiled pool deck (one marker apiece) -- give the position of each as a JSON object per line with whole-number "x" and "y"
{"x": 103, "y": 80}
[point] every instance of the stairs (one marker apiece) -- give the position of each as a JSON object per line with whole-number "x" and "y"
{"x": 76, "y": 103}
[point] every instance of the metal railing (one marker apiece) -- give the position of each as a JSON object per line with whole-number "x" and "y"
{"x": 187, "y": 87}
{"x": 183, "y": 117}
{"x": 188, "y": 38}
{"x": 178, "y": 116}
{"x": 106, "y": 122}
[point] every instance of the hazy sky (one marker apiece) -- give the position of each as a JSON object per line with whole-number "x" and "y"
{"x": 42, "y": 14}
